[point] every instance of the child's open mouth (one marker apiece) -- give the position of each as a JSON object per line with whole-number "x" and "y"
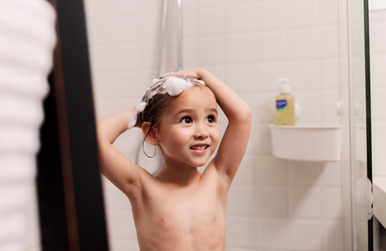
{"x": 199, "y": 147}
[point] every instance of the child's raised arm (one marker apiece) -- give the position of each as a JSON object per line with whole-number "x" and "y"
{"x": 114, "y": 165}
{"x": 235, "y": 139}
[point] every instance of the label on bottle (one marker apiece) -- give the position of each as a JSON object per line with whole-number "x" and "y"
{"x": 281, "y": 103}
{"x": 285, "y": 110}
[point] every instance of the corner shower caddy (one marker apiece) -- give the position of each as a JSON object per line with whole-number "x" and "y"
{"x": 306, "y": 143}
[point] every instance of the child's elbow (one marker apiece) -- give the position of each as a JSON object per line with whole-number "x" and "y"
{"x": 246, "y": 115}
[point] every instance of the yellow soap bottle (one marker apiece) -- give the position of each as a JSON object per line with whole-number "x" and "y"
{"x": 285, "y": 105}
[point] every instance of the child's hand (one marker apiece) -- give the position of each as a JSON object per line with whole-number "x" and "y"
{"x": 190, "y": 73}
{"x": 138, "y": 124}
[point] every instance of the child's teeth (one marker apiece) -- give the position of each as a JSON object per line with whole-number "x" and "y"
{"x": 198, "y": 147}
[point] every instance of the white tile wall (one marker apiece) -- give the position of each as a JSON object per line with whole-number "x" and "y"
{"x": 378, "y": 89}
{"x": 273, "y": 204}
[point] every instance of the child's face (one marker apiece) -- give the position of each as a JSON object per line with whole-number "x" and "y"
{"x": 188, "y": 131}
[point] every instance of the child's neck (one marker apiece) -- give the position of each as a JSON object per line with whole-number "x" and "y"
{"x": 179, "y": 175}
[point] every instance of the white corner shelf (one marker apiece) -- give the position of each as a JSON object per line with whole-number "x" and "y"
{"x": 307, "y": 143}
{"x": 379, "y": 189}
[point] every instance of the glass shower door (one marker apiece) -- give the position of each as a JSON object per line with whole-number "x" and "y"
{"x": 356, "y": 124}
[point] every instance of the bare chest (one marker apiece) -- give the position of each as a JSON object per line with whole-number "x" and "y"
{"x": 169, "y": 220}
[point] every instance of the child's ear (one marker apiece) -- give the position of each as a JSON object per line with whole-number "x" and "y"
{"x": 152, "y": 136}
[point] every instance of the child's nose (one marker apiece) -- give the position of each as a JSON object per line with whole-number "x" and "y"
{"x": 201, "y": 131}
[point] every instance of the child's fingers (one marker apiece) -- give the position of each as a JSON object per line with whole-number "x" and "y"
{"x": 185, "y": 73}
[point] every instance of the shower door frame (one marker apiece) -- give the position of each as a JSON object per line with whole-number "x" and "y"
{"x": 348, "y": 113}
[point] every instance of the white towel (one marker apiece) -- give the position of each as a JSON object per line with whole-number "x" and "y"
{"x": 27, "y": 32}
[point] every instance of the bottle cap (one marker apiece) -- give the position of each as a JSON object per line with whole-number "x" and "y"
{"x": 285, "y": 88}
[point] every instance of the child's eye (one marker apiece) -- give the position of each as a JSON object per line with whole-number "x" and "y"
{"x": 210, "y": 119}
{"x": 186, "y": 120}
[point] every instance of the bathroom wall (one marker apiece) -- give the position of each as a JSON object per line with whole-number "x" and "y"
{"x": 273, "y": 204}
{"x": 378, "y": 89}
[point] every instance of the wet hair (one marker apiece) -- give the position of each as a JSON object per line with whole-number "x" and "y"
{"x": 157, "y": 105}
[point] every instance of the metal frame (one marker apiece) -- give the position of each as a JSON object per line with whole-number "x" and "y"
{"x": 71, "y": 207}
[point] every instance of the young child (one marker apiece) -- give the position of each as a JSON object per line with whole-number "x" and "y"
{"x": 180, "y": 208}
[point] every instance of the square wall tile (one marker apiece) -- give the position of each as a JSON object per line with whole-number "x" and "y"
{"x": 210, "y": 50}
{"x": 271, "y": 45}
{"x": 328, "y": 12}
{"x": 240, "y": 48}
{"x": 306, "y": 174}
{"x": 378, "y": 38}
{"x": 268, "y": 73}
{"x": 120, "y": 224}
{"x": 189, "y": 23}
{"x": 241, "y": 77}
{"x": 271, "y": 171}
{"x": 127, "y": 143}
{"x": 103, "y": 58}
{"x": 246, "y": 173}
{"x": 210, "y": 21}
{"x": 379, "y": 146}
{"x": 127, "y": 7}
{"x": 274, "y": 201}
{"x": 201, "y": 3}
{"x": 241, "y": 232}
{"x": 241, "y": 200}
{"x": 306, "y": 203}
{"x": 129, "y": 28}
{"x": 302, "y": 13}
{"x": 303, "y": 44}
{"x": 305, "y": 235}
{"x": 330, "y": 73}
{"x": 332, "y": 174}
{"x": 304, "y": 74}
{"x": 147, "y": 54}
{"x": 250, "y": 98}
{"x": 333, "y": 235}
{"x": 270, "y": 15}
{"x": 190, "y": 4}
{"x": 130, "y": 85}
{"x": 128, "y": 56}
{"x": 378, "y": 75}
{"x": 151, "y": 6}
{"x": 260, "y": 140}
{"x": 217, "y": 70}
{"x": 329, "y": 42}
{"x": 310, "y": 103}
{"x": 377, "y": 105}
{"x": 239, "y": 17}
{"x": 189, "y": 51}
{"x": 105, "y": 85}
{"x": 114, "y": 198}
{"x": 103, "y": 30}
{"x": 379, "y": 166}
{"x": 100, "y": 8}
{"x": 329, "y": 106}
{"x": 104, "y": 108}
{"x": 123, "y": 245}
{"x": 332, "y": 203}
{"x": 274, "y": 234}
{"x": 150, "y": 27}
{"x": 264, "y": 110}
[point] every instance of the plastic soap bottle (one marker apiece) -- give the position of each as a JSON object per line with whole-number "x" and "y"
{"x": 285, "y": 105}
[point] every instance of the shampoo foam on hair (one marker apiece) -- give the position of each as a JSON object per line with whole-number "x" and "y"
{"x": 285, "y": 105}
